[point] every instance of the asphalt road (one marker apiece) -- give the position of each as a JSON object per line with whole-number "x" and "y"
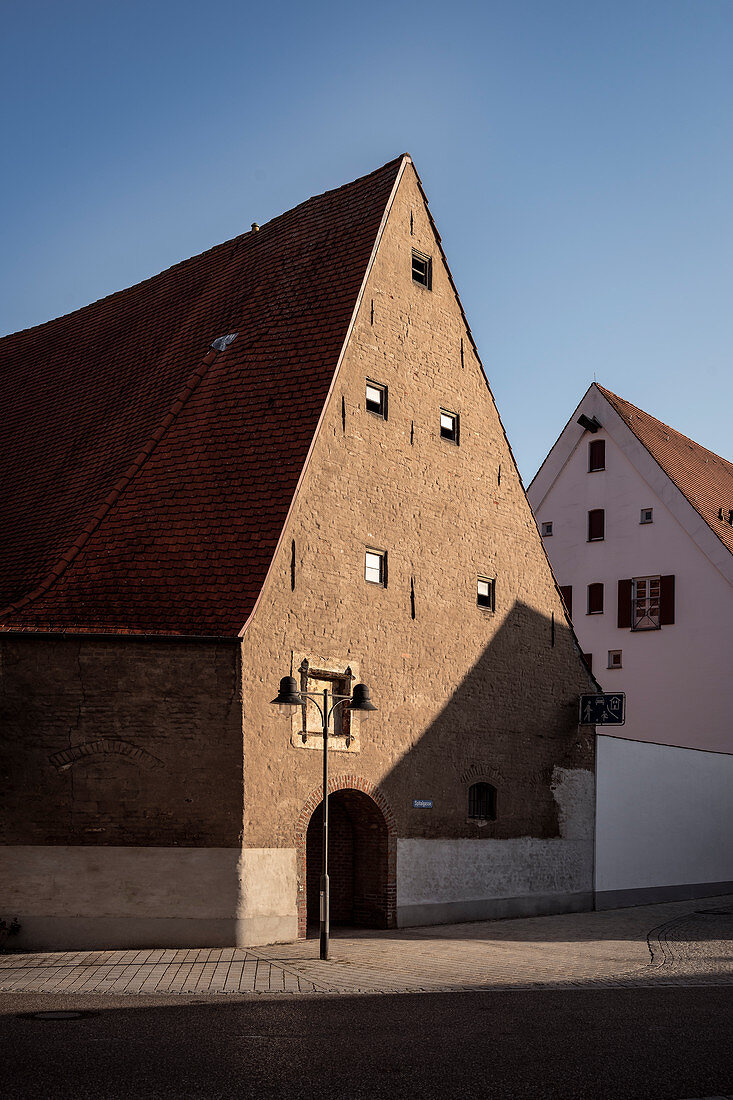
{"x": 595, "y": 1043}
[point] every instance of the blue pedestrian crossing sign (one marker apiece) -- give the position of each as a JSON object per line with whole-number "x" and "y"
{"x": 603, "y": 710}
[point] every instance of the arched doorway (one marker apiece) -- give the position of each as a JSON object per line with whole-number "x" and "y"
{"x": 359, "y": 861}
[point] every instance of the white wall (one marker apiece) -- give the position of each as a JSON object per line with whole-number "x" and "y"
{"x": 441, "y": 881}
{"x": 677, "y": 679}
{"x": 664, "y": 820}
{"x": 69, "y": 897}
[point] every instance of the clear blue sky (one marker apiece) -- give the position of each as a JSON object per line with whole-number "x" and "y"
{"x": 578, "y": 157}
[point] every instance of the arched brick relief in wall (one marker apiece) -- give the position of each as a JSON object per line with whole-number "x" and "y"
{"x": 106, "y": 746}
{"x": 343, "y": 783}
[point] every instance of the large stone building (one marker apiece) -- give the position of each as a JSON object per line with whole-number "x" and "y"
{"x": 637, "y": 520}
{"x": 280, "y": 455}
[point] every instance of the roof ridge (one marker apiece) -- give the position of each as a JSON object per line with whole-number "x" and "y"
{"x": 667, "y": 427}
{"x": 206, "y": 252}
{"x": 114, "y": 494}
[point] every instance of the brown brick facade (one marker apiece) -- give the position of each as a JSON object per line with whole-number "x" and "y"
{"x": 120, "y": 741}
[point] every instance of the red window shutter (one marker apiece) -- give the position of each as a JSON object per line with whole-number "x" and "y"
{"x": 566, "y": 591}
{"x": 666, "y": 601}
{"x": 588, "y": 658}
{"x": 624, "y": 604}
{"x": 595, "y": 599}
{"x": 596, "y": 524}
{"x": 597, "y": 454}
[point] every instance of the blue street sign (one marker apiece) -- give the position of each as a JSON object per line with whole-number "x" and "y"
{"x": 422, "y": 803}
{"x": 603, "y": 710}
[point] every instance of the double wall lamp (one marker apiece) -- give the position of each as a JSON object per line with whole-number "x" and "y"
{"x": 288, "y": 699}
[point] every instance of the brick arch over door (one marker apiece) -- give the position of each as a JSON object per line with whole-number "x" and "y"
{"x": 346, "y": 783}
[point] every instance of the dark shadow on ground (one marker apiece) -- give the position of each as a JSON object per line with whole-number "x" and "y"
{"x": 610, "y": 1044}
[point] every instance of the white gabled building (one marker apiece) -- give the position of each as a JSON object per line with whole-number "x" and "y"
{"x": 637, "y": 521}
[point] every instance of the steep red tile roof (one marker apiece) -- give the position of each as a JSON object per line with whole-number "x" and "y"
{"x": 146, "y": 478}
{"x": 705, "y": 478}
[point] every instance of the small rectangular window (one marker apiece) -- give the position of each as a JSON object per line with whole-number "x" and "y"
{"x": 614, "y": 658}
{"x": 376, "y": 399}
{"x": 647, "y": 515}
{"x": 547, "y": 529}
{"x": 596, "y": 525}
{"x": 422, "y": 269}
{"x": 375, "y": 567}
{"x": 449, "y": 425}
{"x": 595, "y": 599}
{"x": 486, "y": 593}
{"x": 596, "y": 455}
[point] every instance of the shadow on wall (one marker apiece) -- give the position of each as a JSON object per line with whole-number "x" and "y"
{"x": 512, "y": 720}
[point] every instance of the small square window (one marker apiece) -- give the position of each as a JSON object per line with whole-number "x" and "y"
{"x": 375, "y": 567}
{"x": 376, "y": 399}
{"x": 614, "y": 658}
{"x": 449, "y": 425}
{"x": 422, "y": 269}
{"x": 596, "y": 455}
{"x": 486, "y": 593}
{"x": 547, "y": 529}
{"x": 647, "y": 515}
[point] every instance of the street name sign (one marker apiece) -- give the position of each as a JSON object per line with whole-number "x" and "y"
{"x": 422, "y": 803}
{"x": 603, "y": 710}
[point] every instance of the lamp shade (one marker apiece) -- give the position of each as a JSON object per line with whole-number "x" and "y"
{"x": 288, "y": 695}
{"x": 360, "y": 699}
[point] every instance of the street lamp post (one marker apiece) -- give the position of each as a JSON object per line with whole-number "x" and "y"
{"x": 287, "y": 699}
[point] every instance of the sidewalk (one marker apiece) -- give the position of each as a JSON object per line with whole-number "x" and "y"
{"x": 680, "y": 943}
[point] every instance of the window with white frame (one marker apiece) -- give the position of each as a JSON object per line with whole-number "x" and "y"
{"x": 645, "y": 598}
{"x": 486, "y": 593}
{"x": 614, "y": 658}
{"x": 376, "y": 399}
{"x": 375, "y": 567}
{"x": 449, "y": 425}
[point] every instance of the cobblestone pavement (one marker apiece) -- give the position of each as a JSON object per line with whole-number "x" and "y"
{"x": 679, "y": 943}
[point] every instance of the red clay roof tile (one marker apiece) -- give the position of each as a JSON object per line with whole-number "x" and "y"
{"x": 146, "y": 479}
{"x": 703, "y": 477}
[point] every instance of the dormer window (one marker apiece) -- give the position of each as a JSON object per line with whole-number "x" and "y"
{"x": 376, "y": 399}
{"x": 422, "y": 269}
{"x": 449, "y": 425}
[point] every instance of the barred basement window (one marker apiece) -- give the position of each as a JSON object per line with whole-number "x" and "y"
{"x": 486, "y": 593}
{"x": 376, "y": 399}
{"x": 482, "y": 802}
{"x": 422, "y": 269}
{"x": 449, "y": 426}
{"x": 375, "y": 567}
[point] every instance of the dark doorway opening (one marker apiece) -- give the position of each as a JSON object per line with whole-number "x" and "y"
{"x": 357, "y": 857}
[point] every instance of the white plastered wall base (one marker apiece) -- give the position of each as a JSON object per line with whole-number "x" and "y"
{"x": 77, "y": 897}
{"x": 441, "y": 881}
